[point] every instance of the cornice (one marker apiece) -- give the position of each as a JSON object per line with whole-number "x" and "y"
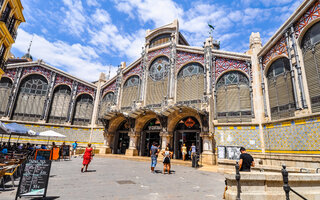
{"x": 40, "y": 63}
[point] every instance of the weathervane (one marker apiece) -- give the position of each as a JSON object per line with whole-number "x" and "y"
{"x": 211, "y": 29}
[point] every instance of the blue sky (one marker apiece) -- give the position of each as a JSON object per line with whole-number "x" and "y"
{"x": 85, "y": 37}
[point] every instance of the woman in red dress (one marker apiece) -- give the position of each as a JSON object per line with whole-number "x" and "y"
{"x": 87, "y": 157}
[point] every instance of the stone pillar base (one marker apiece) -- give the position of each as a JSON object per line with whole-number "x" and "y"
{"x": 132, "y": 152}
{"x": 105, "y": 150}
{"x": 208, "y": 158}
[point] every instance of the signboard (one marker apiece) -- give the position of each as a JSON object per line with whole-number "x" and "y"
{"x": 154, "y": 128}
{"x": 34, "y": 179}
{"x": 189, "y": 122}
{"x": 43, "y": 154}
{"x": 55, "y": 153}
{"x": 221, "y": 152}
{"x": 66, "y": 150}
{"x": 233, "y": 152}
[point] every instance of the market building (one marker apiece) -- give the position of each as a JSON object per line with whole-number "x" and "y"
{"x": 10, "y": 18}
{"x": 266, "y": 99}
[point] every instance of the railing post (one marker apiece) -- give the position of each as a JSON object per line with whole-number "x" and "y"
{"x": 286, "y": 186}
{"x": 238, "y": 181}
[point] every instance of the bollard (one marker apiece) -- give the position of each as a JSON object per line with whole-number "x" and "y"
{"x": 286, "y": 186}
{"x": 238, "y": 181}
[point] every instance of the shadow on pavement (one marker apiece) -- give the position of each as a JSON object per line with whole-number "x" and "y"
{"x": 93, "y": 170}
{"x": 47, "y": 198}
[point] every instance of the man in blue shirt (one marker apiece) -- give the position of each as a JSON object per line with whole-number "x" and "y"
{"x": 74, "y": 148}
{"x": 154, "y": 151}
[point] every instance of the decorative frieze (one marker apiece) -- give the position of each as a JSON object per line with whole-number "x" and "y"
{"x": 85, "y": 89}
{"x": 136, "y": 70}
{"x": 36, "y": 70}
{"x": 226, "y": 64}
{"x": 63, "y": 80}
{"x": 280, "y": 48}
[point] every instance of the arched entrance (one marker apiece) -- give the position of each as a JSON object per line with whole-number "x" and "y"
{"x": 150, "y": 134}
{"x": 121, "y": 139}
{"x": 187, "y": 131}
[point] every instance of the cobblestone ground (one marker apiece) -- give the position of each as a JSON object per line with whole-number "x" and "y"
{"x": 122, "y": 179}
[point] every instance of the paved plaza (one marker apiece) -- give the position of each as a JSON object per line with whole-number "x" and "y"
{"x": 111, "y": 178}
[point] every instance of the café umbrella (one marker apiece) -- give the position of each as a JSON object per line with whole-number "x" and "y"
{"x": 49, "y": 134}
{"x": 15, "y": 129}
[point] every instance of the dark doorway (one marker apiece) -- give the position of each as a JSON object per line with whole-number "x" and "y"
{"x": 121, "y": 139}
{"x": 187, "y": 131}
{"x": 150, "y": 134}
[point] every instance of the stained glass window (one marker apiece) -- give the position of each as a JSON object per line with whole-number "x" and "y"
{"x": 191, "y": 69}
{"x": 83, "y": 110}
{"x": 5, "y": 90}
{"x": 132, "y": 81}
{"x": 232, "y": 78}
{"x": 60, "y": 104}
{"x": 159, "y": 68}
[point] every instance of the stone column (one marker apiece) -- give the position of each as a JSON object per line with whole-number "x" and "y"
{"x": 117, "y": 93}
{"x": 172, "y": 70}
{"x": 107, "y": 143}
{"x": 207, "y": 154}
{"x": 72, "y": 102}
{"x": 133, "y": 144}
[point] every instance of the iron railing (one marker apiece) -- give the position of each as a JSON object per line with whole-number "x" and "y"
{"x": 238, "y": 181}
{"x": 286, "y": 187}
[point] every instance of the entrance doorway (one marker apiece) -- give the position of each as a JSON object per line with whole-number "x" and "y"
{"x": 121, "y": 139}
{"x": 150, "y": 134}
{"x": 187, "y": 132}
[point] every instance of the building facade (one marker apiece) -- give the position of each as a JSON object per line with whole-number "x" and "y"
{"x": 266, "y": 99}
{"x": 10, "y": 18}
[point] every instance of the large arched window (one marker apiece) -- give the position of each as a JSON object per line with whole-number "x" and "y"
{"x": 311, "y": 56}
{"x": 190, "y": 85}
{"x": 159, "y": 40}
{"x": 31, "y": 98}
{"x": 130, "y": 92}
{"x": 281, "y": 97}
{"x": 157, "y": 82}
{"x": 233, "y": 98}
{"x": 5, "y": 90}
{"x": 60, "y": 104}
{"x": 83, "y": 110}
{"x": 106, "y": 103}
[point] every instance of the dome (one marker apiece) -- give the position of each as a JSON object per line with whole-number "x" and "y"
{"x": 27, "y": 56}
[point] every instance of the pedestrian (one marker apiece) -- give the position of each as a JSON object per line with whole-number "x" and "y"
{"x": 61, "y": 150}
{"x": 154, "y": 151}
{"x": 87, "y": 157}
{"x": 184, "y": 152}
{"x": 166, "y": 160}
{"x": 193, "y": 150}
{"x": 246, "y": 161}
{"x": 74, "y": 148}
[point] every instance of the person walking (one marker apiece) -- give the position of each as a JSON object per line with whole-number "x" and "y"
{"x": 87, "y": 157}
{"x": 184, "y": 152}
{"x": 246, "y": 161}
{"x": 74, "y": 148}
{"x": 166, "y": 160}
{"x": 154, "y": 151}
{"x": 193, "y": 150}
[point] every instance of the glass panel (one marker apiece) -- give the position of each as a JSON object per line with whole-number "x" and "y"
{"x": 191, "y": 69}
{"x": 132, "y": 81}
{"x": 159, "y": 68}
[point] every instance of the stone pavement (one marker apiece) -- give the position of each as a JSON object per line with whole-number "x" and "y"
{"x": 111, "y": 178}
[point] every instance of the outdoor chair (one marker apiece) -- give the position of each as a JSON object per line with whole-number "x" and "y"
{"x": 12, "y": 170}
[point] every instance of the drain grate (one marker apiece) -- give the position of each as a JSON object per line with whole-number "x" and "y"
{"x": 123, "y": 182}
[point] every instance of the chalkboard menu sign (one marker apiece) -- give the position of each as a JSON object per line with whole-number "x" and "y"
{"x": 42, "y": 154}
{"x": 35, "y": 177}
{"x": 66, "y": 150}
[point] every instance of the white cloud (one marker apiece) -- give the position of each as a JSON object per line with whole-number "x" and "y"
{"x": 78, "y": 60}
{"x": 101, "y": 16}
{"x": 93, "y": 3}
{"x": 75, "y": 18}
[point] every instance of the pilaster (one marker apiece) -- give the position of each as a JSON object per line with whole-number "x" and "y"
{"x": 14, "y": 92}
{"x": 49, "y": 97}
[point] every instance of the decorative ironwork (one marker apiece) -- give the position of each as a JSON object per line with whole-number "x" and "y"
{"x": 190, "y": 70}
{"x": 132, "y": 81}
{"x": 224, "y": 64}
{"x": 31, "y": 98}
{"x": 159, "y": 68}
{"x": 136, "y": 70}
{"x": 286, "y": 187}
{"x": 83, "y": 110}
{"x": 310, "y": 15}
{"x": 280, "y": 48}
{"x": 186, "y": 57}
{"x": 60, "y": 103}
{"x": 232, "y": 78}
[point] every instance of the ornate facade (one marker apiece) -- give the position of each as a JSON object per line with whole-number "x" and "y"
{"x": 266, "y": 99}
{"x": 10, "y": 18}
